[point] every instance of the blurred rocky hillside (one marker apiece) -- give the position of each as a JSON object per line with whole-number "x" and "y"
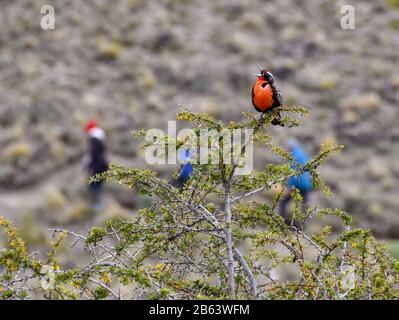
{"x": 133, "y": 63}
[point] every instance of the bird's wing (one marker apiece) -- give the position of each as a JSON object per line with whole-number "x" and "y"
{"x": 277, "y": 97}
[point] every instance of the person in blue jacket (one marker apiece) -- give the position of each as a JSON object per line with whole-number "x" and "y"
{"x": 186, "y": 170}
{"x": 301, "y": 182}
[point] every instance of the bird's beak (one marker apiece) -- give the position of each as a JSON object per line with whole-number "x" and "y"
{"x": 257, "y": 74}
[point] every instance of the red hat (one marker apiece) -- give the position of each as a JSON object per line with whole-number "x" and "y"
{"x": 90, "y": 125}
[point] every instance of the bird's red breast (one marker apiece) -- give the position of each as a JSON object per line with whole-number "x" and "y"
{"x": 262, "y": 95}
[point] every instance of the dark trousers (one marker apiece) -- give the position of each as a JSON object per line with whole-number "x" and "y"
{"x": 96, "y": 190}
{"x": 286, "y": 200}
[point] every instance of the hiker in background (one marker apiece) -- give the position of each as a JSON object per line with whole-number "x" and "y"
{"x": 95, "y": 160}
{"x": 185, "y": 171}
{"x": 302, "y": 182}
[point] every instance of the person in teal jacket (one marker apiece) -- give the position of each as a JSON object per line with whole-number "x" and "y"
{"x": 301, "y": 182}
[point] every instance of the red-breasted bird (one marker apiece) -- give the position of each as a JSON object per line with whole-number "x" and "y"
{"x": 265, "y": 95}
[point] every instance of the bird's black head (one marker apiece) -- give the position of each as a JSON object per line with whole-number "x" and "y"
{"x": 267, "y": 76}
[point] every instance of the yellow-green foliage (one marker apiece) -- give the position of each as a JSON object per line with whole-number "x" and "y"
{"x": 31, "y": 232}
{"x": 79, "y": 212}
{"x": 57, "y": 150}
{"x": 393, "y": 3}
{"x": 55, "y": 199}
{"x": 189, "y": 242}
{"x": 14, "y": 258}
{"x": 147, "y": 80}
{"x": 19, "y": 150}
{"x": 393, "y": 247}
{"x": 109, "y": 49}
{"x": 394, "y": 24}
